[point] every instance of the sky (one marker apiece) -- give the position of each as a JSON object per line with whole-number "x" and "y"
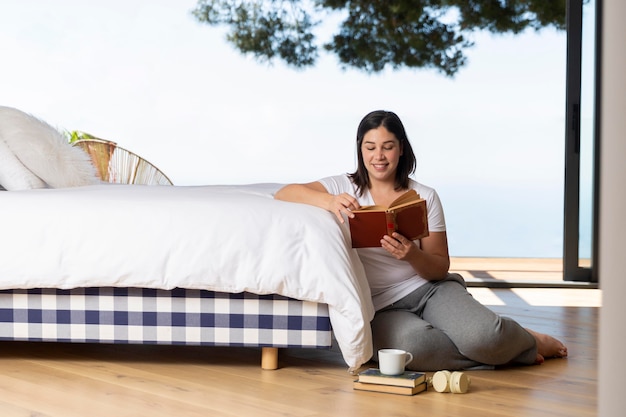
{"x": 147, "y": 75}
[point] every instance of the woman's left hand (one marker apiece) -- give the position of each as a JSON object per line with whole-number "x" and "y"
{"x": 429, "y": 259}
{"x": 398, "y": 246}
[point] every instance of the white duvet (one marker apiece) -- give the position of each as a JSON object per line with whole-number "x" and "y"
{"x": 222, "y": 238}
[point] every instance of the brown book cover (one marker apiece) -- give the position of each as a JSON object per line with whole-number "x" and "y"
{"x": 390, "y": 389}
{"x": 407, "y": 215}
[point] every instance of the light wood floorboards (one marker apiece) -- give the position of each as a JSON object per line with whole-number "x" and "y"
{"x": 63, "y": 380}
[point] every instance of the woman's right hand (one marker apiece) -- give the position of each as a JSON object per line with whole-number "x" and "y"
{"x": 315, "y": 194}
{"x": 343, "y": 204}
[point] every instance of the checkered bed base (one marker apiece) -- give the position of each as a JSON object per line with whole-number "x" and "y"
{"x": 148, "y": 316}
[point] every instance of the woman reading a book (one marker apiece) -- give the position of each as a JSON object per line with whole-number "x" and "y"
{"x": 420, "y": 306}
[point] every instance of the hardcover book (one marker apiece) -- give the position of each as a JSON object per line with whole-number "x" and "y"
{"x": 406, "y": 379}
{"x": 407, "y": 215}
{"x": 390, "y": 389}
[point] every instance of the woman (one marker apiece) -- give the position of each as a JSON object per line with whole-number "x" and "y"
{"x": 420, "y": 307}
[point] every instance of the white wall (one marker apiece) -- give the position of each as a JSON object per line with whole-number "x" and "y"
{"x": 612, "y": 254}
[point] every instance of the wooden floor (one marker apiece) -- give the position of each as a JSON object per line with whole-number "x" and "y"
{"x": 62, "y": 380}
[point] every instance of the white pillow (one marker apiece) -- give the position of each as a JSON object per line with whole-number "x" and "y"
{"x": 43, "y": 151}
{"x": 13, "y": 174}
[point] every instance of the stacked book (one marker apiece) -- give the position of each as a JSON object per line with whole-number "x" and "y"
{"x": 407, "y": 383}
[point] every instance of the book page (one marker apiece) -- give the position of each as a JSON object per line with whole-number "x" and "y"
{"x": 370, "y": 208}
{"x": 409, "y": 197}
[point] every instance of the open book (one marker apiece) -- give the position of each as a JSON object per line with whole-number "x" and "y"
{"x": 407, "y": 215}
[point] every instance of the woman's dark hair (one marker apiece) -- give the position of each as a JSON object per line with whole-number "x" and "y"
{"x": 406, "y": 164}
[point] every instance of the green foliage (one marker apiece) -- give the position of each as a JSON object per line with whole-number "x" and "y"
{"x": 374, "y": 34}
{"x": 264, "y": 29}
{"x": 76, "y": 135}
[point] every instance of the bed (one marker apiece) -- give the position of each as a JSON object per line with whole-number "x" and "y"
{"x": 198, "y": 265}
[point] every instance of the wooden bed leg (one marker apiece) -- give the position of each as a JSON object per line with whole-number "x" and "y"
{"x": 269, "y": 358}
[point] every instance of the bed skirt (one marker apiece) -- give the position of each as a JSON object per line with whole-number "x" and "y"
{"x": 149, "y": 316}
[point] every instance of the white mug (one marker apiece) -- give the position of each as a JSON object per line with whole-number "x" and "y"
{"x": 393, "y": 361}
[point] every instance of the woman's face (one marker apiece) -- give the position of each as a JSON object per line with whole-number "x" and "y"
{"x": 381, "y": 153}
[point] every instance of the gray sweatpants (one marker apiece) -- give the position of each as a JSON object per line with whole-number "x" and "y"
{"x": 444, "y": 327}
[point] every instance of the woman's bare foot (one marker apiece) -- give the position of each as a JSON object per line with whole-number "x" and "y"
{"x": 548, "y": 346}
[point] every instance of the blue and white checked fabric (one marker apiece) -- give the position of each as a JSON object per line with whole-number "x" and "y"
{"x": 149, "y": 316}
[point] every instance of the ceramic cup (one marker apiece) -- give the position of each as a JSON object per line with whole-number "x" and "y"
{"x": 393, "y": 361}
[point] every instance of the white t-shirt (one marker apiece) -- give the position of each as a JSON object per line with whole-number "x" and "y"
{"x": 389, "y": 279}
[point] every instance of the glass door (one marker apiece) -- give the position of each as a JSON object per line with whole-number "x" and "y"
{"x": 581, "y": 147}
